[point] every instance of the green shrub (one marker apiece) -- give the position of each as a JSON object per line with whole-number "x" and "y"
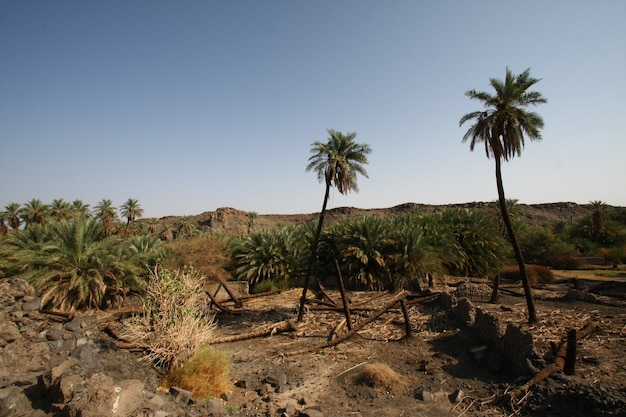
{"x": 270, "y": 285}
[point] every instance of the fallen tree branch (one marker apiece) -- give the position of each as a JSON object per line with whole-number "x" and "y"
{"x": 423, "y": 299}
{"x": 558, "y": 365}
{"x": 283, "y": 326}
{"x": 259, "y": 295}
{"x": 401, "y": 296}
{"x": 218, "y": 304}
{"x": 232, "y": 295}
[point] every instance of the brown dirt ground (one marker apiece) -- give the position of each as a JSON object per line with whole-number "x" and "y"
{"x": 436, "y": 358}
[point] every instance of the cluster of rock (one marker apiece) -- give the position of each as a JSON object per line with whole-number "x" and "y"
{"x": 52, "y": 365}
{"x": 511, "y": 350}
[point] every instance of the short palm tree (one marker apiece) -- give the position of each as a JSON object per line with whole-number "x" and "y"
{"x": 502, "y": 126}
{"x": 73, "y": 268}
{"x": 337, "y": 163}
{"x": 363, "y": 248}
{"x": 186, "y": 226}
{"x": 130, "y": 210}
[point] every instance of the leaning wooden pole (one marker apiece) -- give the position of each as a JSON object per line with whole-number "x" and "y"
{"x": 407, "y": 321}
{"x": 342, "y": 290}
{"x": 401, "y": 296}
{"x": 232, "y": 295}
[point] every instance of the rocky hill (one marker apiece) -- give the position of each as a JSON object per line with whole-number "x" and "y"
{"x": 235, "y": 222}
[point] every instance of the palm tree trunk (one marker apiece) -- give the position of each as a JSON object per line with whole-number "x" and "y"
{"x": 532, "y": 313}
{"x": 316, "y": 240}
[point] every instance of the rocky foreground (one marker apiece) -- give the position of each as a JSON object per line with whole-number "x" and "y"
{"x": 57, "y": 365}
{"x": 463, "y": 355}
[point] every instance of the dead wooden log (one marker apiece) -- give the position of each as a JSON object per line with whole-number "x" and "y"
{"x": 558, "y": 365}
{"x": 259, "y": 295}
{"x": 376, "y": 297}
{"x": 283, "y": 326}
{"x": 67, "y": 316}
{"x": 117, "y": 339}
{"x": 423, "y": 299}
{"x": 355, "y": 329}
{"x": 335, "y": 331}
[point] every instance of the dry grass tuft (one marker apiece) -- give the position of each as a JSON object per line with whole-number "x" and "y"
{"x": 537, "y": 274}
{"x": 206, "y": 374}
{"x": 382, "y": 377}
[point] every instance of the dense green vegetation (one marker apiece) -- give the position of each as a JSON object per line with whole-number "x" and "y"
{"x": 78, "y": 264}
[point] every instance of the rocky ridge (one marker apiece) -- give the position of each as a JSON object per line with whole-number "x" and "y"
{"x": 233, "y": 221}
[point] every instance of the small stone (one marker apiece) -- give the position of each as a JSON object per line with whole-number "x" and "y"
{"x": 246, "y": 382}
{"x": 215, "y": 408}
{"x": 32, "y": 305}
{"x": 54, "y": 333}
{"x": 456, "y": 396}
{"x": 74, "y": 325}
{"x": 182, "y": 395}
{"x": 426, "y": 396}
{"x": 276, "y": 377}
{"x": 311, "y": 412}
{"x": 156, "y": 402}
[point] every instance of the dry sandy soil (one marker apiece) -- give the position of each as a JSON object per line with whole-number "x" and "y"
{"x": 436, "y": 359}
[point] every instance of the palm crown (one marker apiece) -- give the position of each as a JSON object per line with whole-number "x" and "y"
{"x": 339, "y": 160}
{"x": 505, "y": 120}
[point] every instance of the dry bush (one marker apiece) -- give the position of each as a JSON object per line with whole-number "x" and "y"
{"x": 174, "y": 324}
{"x": 381, "y": 376}
{"x": 537, "y": 274}
{"x": 205, "y": 374}
{"x": 206, "y": 252}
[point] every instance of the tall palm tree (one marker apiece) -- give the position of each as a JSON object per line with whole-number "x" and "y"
{"x": 337, "y": 163}
{"x": 12, "y": 215}
{"x": 34, "y": 212}
{"x": 130, "y": 210}
{"x": 252, "y": 215}
{"x": 502, "y": 126}
{"x": 106, "y": 213}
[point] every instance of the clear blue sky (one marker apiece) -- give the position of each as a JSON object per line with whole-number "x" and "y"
{"x": 194, "y": 105}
